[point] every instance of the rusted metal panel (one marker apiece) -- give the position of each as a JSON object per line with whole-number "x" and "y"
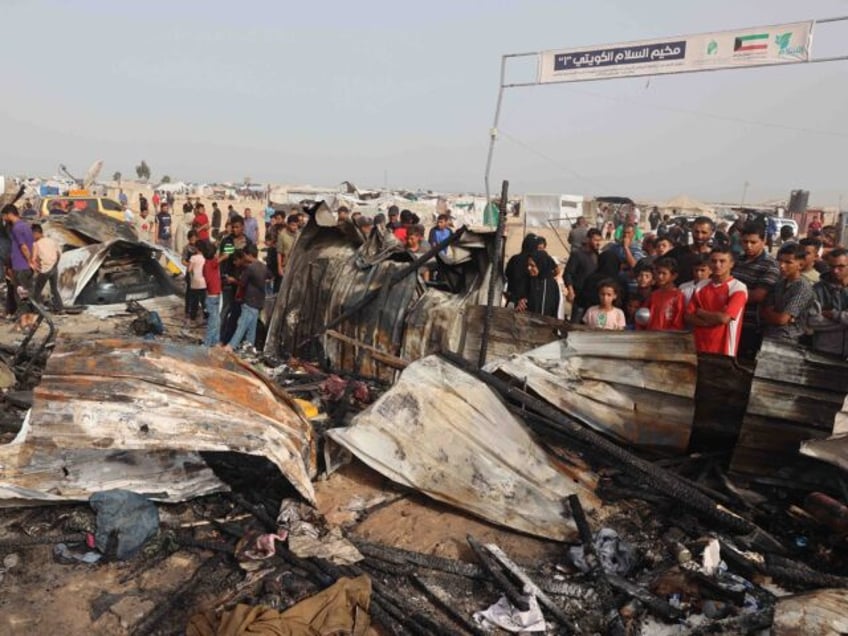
{"x": 795, "y": 396}
{"x": 636, "y": 387}
{"x": 720, "y": 401}
{"x": 331, "y": 268}
{"x": 446, "y": 434}
{"x": 153, "y": 396}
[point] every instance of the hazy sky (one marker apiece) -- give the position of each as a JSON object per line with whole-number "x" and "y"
{"x": 324, "y": 91}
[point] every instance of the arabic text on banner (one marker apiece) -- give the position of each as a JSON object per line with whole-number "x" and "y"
{"x": 726, "y": 49}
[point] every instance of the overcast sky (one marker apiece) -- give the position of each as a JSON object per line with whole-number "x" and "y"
{"x": 405, "y": 92}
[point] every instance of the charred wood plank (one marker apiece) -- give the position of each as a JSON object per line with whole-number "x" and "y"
{"x": 388, "y": 359}
{"x": 400, "y": 556}
{"x": 611, "y": 616}
{"x": 530, "y": 587}
{"x": 446, "y": 607}
{"x": 509, "y": 590}
{"x": 653, "y": 602}
{"x": 495, "y": 274}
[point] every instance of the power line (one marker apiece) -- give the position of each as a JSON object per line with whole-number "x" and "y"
{"x": 551, "y": 160}
{"x": 730, "y": 118}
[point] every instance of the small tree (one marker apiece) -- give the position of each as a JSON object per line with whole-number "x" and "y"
{"x": 117, "y": 177}
{"x": 143, "y": 170}
{"x": 166, "y": 179}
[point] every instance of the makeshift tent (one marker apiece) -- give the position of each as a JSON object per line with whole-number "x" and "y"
{"x": 552, "y": 210}
{"x": 684, "y": 204}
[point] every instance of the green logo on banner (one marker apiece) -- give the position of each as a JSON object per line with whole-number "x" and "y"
{"x": 783, "y": 42}
{"x": 712, "y": 47}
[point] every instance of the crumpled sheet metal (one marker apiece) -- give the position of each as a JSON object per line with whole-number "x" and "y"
{"x": 32, "y": 474}
{"x": 637, "y": 387}
{"x": 446, "y": 434}
{"x": 155, "y": 396}
{"x": 834, "y": 449}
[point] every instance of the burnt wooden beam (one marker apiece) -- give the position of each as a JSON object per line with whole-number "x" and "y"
{"x": 496, "y": 273}
{"x": 611, "y": 616}
{"x": 509, "y": 590}
{"x": 381, "y": 356}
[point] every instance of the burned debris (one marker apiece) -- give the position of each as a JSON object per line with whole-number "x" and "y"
{"x": 382, "y": 482}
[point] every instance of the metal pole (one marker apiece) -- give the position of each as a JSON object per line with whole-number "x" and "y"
{"x": 493, "y": 131}
{"x": 497, "y": 259}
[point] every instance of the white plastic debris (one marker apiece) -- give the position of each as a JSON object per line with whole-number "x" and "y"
{"x": 712, "y": 557}
{"x": 503, "y": 615}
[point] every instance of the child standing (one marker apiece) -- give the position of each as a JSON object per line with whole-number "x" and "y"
{"x": 605, "y": 315}
{"x": 212, "y": 276}
{"x": 667, "y": 303}
{"x": 700, "y": 272}
{"x": 188, "y": 251}
{"x": 196, "y": 286}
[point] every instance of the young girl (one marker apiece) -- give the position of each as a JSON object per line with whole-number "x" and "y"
{"x": 606, "y": 315}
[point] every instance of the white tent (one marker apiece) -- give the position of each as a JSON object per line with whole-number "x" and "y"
{"x": 684, "y": 204}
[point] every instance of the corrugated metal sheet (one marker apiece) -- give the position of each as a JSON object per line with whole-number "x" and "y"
{"x": 331, "y": 268}
{"x": 638, "y": 387}
{"x": 795, "y": 396}
{"x": 152, "y": 396}
{"x": 445, "y": 433}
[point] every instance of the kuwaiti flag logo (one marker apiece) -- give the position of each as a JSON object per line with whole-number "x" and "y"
{"x": 754, "y": 42}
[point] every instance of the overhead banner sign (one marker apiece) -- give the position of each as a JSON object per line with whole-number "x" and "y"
{"x": 779, "y": 44}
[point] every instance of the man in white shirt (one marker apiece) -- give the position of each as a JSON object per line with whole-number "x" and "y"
{"x": 45, "y": 264}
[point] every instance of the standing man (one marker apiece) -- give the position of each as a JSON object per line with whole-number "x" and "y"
{"x": 143, "y": 205}
{"x": 276, "y": 226}
{"x": 201, "y": 222}
{"x": 715, "y": 311}
{"x": 21, "y": 256}
{"x": 252, "y": 280}
{"x": 626, "y": 248}
{"x": 581, "y": 264}
{"x": 156, "y": 201}
{"x": 688, "y": 255}
{"x": 251, "y": 226}
{"x": 236, "y": 240}
{"x": 45, "y": 264}
{"x": 812, "y": 247}
{"x": 163, "y": 224}
{"x": 830, "y": 323}
{"x": 760, "y": 273}
{"x": 144, "y": 225}
{"x": 787, "y": 307}
{"x": 123, "y": 199}
{"x": 285, "y": 241}
{"x": 578, "y": 234}
{"x": 654, "y": 218}
{"x": 216, "y": 221}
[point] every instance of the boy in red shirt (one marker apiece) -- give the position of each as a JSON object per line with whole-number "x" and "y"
{"x": 201, "y": 222}
{"x": 666, "y": 303}
{"x": 715, "y": 311}
{"x": 212, "y": 275}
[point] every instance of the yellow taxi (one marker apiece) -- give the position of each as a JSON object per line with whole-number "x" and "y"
{"x": 51, "y": 206}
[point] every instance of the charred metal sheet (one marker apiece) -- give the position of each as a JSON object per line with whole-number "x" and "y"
{"x": 333, "y": 267}
{"x": 795, "y": 396}
{"x": 155, "y": 396}
{"x": 112, "y": 272}
{"x": 97, "y": 227}
{"x": 34, "y": 474}
{"x": 819, "y": 613}
{"x": 638, "y": 387}
{"x": 834, "y": 449}
{"x": 445, "y": 433}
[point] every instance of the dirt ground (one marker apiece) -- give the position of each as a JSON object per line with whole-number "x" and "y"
{"x": 40, "y": 596}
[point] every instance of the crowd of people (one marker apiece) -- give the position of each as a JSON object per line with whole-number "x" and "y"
{"x": 723, "y": 284}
